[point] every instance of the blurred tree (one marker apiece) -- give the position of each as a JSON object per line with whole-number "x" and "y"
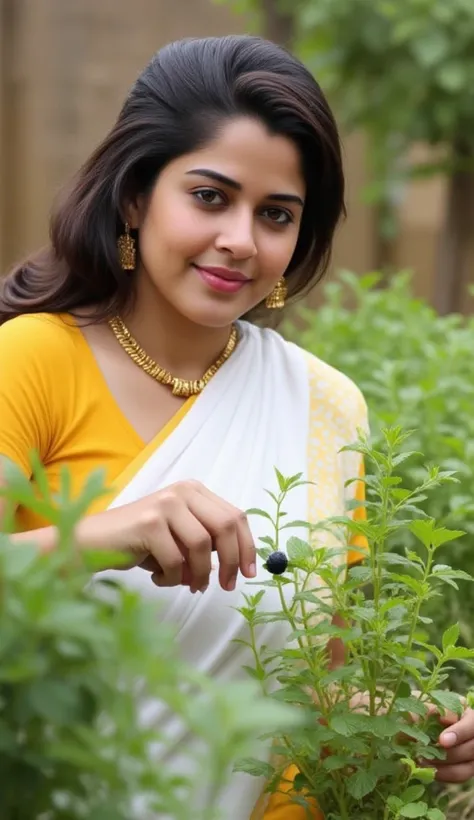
{"x": 403, "y": 71}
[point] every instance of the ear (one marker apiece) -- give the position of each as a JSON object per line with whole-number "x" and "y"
{"x": 134, "y": 212}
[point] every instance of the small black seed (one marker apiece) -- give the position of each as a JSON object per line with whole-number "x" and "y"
{"x": 277, "y": 563}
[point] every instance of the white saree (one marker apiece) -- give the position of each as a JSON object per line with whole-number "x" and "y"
{"x": 271, "y": 405}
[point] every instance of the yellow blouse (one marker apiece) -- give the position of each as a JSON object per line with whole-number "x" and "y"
{"x": 55, "y": 400}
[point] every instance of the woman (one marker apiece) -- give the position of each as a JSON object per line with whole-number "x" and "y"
{"x": 127, "y": 344}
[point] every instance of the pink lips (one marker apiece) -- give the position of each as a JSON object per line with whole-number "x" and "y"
{"x": 223, "y": 280}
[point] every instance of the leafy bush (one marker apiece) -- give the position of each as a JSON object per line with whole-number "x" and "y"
{"x": 76, "y": 659}
{"x": 416, "y": 369}
{"x": 372, "y": 717}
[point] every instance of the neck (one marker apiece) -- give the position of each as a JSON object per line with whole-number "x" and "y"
{"x": 174, "y": 342}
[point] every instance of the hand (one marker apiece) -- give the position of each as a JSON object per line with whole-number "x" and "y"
{"x": 458, "y": 740}
{"x": 173, "y": 532}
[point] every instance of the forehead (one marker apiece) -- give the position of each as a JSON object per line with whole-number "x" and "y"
{"x": 246, "y": 151}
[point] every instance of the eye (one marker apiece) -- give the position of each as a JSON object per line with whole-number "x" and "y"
{"x": 279, "y": 216}
{"x": 209, "y": 196}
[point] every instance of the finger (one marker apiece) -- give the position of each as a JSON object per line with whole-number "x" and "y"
{"x": 166, "y": 553}
{"x": 455, "y": 774}
{"x": 460, "y": 754}
{"x": 222, "y": 530}
{"x": 150, "y": 564}
{"x": 246, "y": 543}
{"x": 459, "y": 732}
{"x": 447, "y": 718}
{"x": 195, "y": 542}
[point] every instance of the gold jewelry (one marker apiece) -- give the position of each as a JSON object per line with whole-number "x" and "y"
{"x": 276, "y": 299}
{"x": 180, "y": 387}
{"x": 126, "y": 250}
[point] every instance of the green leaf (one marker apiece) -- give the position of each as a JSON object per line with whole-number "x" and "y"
{"x": 416, "y": 733}
{"x": 17, "y": 560}
{"x": 412, "y": 705}
{"x": 362, "y": 574}
{"x": 261, "y": 513}
{"x": 254, "y": 767}
{"x": 417, "y": 586}
{"x": 384, "y": 726}
{"x": 414, "y": 810}
{"x": 423, "y": 530}
{"x": 54, "y": 701}
{"x": 334, "y": 762}
{"x": 349, "y": 724}
{"x": 449, "y": 700}
{"x": 444, "y": 536}
{"x": 459, "y": 653}
{"x": 412, "y": 794}
{"x": 98, "y": 560}
{"x": 293, "y": 525}
{"x": 446, "y": 572}
{"x": 426, "y": 775}
{"x": 450, "y": 636}
{"x": 282, "y": 481}
{"x": 436, "y": 814}
{"x": 256, "y": 674}
{"x": 298, "y": 549}
{"x": 361, "y": 784}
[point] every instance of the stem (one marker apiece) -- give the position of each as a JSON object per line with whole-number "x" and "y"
{"x": 307, "y": 653}
{"x": 301, "y": 766}
{"x": 414, "y": 624}
{"x": 258, "y": 665}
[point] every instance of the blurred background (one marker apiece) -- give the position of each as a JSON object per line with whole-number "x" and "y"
{"x": 398, "y": 75}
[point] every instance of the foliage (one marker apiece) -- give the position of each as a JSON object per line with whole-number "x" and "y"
{"x": 359, "y": 756}
{"x": 402, "y": 71}
{"x": 77, "y": 660}
{"x": 415, "y": 369}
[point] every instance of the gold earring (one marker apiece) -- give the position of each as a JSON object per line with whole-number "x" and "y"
{"x": 276, "y": 299}
{"x": 126, "y": 250}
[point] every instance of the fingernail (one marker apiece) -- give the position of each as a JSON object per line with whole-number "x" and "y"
{"x": 231, "y": 585}
{"x": 203, "y": 589}
{"x": 252, "y": 570}
{"x": 448, "y": 739}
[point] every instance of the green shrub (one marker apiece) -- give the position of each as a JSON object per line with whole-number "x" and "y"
{"x": 372, "y": 717}
{"x": 416, "y": 369}
{"x": 76, "y": 659}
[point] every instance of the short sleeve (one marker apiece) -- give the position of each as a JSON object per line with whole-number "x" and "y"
{"x": 32, "y": 363}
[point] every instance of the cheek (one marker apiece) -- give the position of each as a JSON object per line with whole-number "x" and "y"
{"x": 275, "y": 252}
{"x": 177, "y": 228}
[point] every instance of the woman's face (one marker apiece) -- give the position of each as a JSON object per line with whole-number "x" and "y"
{"x": 221, "y": 224}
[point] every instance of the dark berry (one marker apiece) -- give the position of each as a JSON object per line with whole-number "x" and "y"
{"x": 276, "y": 563}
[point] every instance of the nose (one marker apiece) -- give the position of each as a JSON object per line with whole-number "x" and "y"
{"x": 237, "y": 234}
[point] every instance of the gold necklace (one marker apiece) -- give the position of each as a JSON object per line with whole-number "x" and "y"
{"x": 180, "y": 387}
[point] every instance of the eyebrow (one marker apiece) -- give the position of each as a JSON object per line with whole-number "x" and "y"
{"x": 232, "y": 183}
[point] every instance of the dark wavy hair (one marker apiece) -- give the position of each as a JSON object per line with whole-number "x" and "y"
{"x": 187, "y": 90}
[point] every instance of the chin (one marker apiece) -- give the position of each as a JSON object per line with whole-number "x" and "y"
{"x": 214, "y": 316}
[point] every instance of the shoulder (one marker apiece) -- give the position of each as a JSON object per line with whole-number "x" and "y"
{"x": 39, "y": 356}
{"x": 42, "y": 327}
{"x": 37, "y": 367}
{"x": 43, "y": 338}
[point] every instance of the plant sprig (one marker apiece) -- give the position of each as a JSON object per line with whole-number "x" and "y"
{"x": 371, "y": 719}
